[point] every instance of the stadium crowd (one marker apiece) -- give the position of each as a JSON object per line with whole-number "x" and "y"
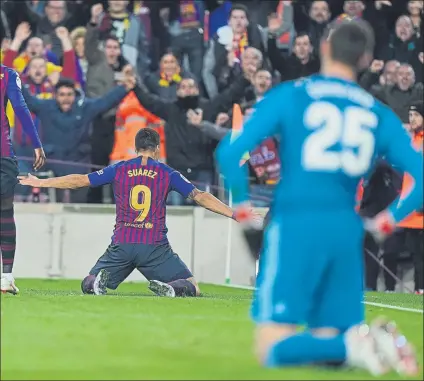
{"x": 201, "y": 66}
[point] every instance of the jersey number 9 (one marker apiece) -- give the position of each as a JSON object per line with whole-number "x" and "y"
{"x": 340, "y": 141}
{"x": 142, "y": 206}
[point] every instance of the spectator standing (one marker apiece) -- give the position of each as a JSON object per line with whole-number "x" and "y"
{"x": 185, "y": 26}
{"x": 130, "y": 118}
{"x": 234, "y": 67}
{"x": 404, "y": 46}
{"x": 388, "y": 77}
{"x": 78, "y": 43}
{"x": 56, "y": 15}
{"x": 376, "y": 13}
{"x": 188, "y": 150}
{"x": 228, "y": 46}
{"x": 260, "y": 10}
{"x": 165, "y": 81}
{"x": 281, "y": 26}
{"x": 415, "y": 13}
{"x": 66, "y": 123}
{"x": 127, "y": 28}
{"x": 105, "y": 69}
{"x": 301, "y": 63}
{"x": 313, "y": 21}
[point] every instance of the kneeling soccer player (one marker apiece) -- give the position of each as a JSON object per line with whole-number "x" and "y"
{"x": 141, "y": 186}
{"x": 314, "y": 280}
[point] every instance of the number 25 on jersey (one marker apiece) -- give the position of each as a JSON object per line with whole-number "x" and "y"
{"x": 349, "y": 130}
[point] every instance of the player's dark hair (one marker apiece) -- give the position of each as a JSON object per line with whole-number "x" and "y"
{"x": 65, "y": 82}
{"x": 239, "y": 7}
{"x": 146, "y": 139}
{"x": 349, "y": 41}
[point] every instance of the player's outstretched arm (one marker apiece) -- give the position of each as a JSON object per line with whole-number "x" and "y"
{"x": 63, "y": 182}
{"x": 210, "y": 202}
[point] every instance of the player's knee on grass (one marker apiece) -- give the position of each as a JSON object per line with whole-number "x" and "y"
{"x": 267, "y": 335}
{"x": 196, "y": 286}
{"x": 185, "y": 287}
{"x": 87, "y": 284}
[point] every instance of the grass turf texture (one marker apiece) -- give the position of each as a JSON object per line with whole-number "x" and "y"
{"x": 52, "y": 332}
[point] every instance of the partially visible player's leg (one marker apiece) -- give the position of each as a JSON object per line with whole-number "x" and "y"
{"x": 292, "y": 272}
{"x": 167, "y": 273}
{"x": 8, "y": 181}
{"x": 338, "y": 313}
{"x": 111, "y": 269}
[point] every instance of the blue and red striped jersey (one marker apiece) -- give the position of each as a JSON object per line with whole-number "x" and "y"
{"x": 140, "y": 194}
{"x": 10, "y": 88}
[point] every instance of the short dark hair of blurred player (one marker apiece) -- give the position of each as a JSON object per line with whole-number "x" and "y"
{"x": 357, "y": 54}
{"x": 141, "y": 186}
{"x": 11, "y": 89}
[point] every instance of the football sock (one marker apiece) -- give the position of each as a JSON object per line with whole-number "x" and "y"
{"x": 304, "y": 348}
{"x": 183, "y": 287}
{"x": 87, "y": 285}
{"x": 7, "y": 239}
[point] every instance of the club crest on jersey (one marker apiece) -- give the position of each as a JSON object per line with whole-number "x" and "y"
{"x": 18, "y": 82}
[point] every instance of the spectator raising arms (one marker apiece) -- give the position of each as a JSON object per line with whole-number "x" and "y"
{"x": 56, "y": 15}
{"x": 34, "y": 47}
{"x": 38, "y": 83}
{"x": 300, "y": 64}
{"x": 398, "y": 96}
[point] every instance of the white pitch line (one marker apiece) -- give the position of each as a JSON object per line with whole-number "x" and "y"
{"x": 394, "y": 307}
{"x": 388, "y": 306}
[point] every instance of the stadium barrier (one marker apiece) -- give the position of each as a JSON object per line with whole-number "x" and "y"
{"x": 65, "y": 241}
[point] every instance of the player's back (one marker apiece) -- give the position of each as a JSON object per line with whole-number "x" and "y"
{"x": 327, "y": 143}
{"x": 141, "y": 189}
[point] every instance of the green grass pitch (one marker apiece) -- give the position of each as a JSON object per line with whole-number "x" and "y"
{"x": 52, "y": 332}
